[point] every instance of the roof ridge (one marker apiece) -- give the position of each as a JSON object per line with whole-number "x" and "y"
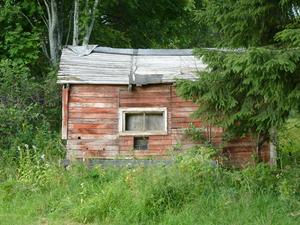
{"x": 144, "y": 51}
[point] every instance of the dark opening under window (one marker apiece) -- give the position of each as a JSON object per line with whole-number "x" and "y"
{"x": 140, "y": 143}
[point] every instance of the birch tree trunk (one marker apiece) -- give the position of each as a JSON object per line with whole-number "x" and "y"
{"x": 76, "y": 23}
{"x": 52, "y": 25}
{"x": 53, "y": 29}
{"x": 90, "y": 27}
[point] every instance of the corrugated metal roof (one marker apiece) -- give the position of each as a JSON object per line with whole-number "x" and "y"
{"x": 128, "y": 66}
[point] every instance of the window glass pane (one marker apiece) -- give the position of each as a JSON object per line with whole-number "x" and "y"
{"x": 154, "y": 121}
{"x": 140, "y": 143}
{"x": 134, "y": 122}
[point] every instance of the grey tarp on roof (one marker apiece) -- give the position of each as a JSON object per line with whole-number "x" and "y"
{"x": 128, "y": 66}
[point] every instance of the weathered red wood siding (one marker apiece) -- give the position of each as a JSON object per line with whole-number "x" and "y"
{"x": 93, "y": 123}
{"x": 242, "y": 151}
{"x": 65, "y": 102}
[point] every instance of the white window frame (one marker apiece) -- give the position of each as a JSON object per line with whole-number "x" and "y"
{"x": 123, "y": 111}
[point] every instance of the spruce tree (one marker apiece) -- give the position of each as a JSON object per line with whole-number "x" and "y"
{"x": 253, "y": 82}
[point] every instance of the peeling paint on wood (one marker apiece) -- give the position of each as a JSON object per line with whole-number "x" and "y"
{"x": 65, "y": 117}
{"x": 93, "y": 124}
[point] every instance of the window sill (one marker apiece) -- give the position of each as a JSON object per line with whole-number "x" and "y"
{"x": 148, "y": 133}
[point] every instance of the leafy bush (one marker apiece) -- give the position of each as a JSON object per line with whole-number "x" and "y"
{"x": 289, "y": 142}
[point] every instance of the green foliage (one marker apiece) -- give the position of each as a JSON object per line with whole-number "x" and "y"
{"x": 19, "y": 40}
{"x": 37, "y": 136}
{"x": 197, "y": 160}
{"x": 34, "y": 170}
{"x": 29, "y": 96}
{"x": 256, "y": 88}
{"x": 190, "y": 191}
{"x": 17, "y": 87}
{"x": 196, "y": 134}
{"x": 246, "y": 23}
{"x": 149, "y": 24}
{"x": 289, "y": 142}
{"x": 291, "y": 37}
{"x": 252, "y": 90}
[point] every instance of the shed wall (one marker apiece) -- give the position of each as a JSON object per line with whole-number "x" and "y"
{"x": 92, "y": 128}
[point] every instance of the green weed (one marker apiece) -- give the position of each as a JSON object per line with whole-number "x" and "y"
{"x": 192, "y": 190}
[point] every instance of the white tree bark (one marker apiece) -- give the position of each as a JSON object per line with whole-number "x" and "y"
{"x": 55, "y": 33}
{"x": 53, "y": 29}
{"x": 76, "y": 23}
{"x": 91, "y": 25}
{"x": 53, "y": 36}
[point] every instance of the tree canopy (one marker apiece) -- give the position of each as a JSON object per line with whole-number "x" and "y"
{"x": 252, "y": 88}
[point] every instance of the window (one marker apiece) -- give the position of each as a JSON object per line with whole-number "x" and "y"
{"x": 142, "y": 121}
{"x": 140, "y": 143}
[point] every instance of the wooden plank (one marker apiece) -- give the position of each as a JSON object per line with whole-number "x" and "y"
{"x": 136, "y": 91}
{"x": 143, "y": 94}
{"x": 141, "y": 100}
{"x": 92, "y": 137}
{"x": 129, "y": 144}
{"x": 153, "y": 88}
{"x": 80, "y": 131}
{"x": 103, "y": 147}
{"x": 93, "y": 121}
{"x": 93, "y": 126}
{"x": 86, "y": 136}
{"x": 103, "y": 95}
{"x": 92, "y": 115}
{"x": 187, "y": 110}
{"x": 183, "y": 120}
{"x": 184, "y": 125}
{"x": 97, "y": 153}
{"x": 180, "y": 114}
{"x": 144, "y": 104}
{"x": 98, "y": 143}
{"x": 159, "y": 147}
{"x": 65, "y": 117}
{"x": 159, "y": 137}
{"x": 95, "y": 142}
{"x": 176, "y": 99}
{"x": 182, "y": 104}
{"x": 95, "y": 88}
{"x": 140, "y": 153}
{"x": 106, "y": 147}
{"x": 92, "y": 99}
{"x": 93, "y": 110}
{"x": 95, "y": 105}
{"x": 160, "y": 142}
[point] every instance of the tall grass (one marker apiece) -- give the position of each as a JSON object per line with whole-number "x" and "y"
{"x": 190, "y": 191}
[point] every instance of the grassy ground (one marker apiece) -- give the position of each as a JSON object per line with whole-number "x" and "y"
{"x": 190, "y": 191}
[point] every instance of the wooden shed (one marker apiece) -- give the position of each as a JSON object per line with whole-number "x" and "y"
{"x": 122, "y": 104}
